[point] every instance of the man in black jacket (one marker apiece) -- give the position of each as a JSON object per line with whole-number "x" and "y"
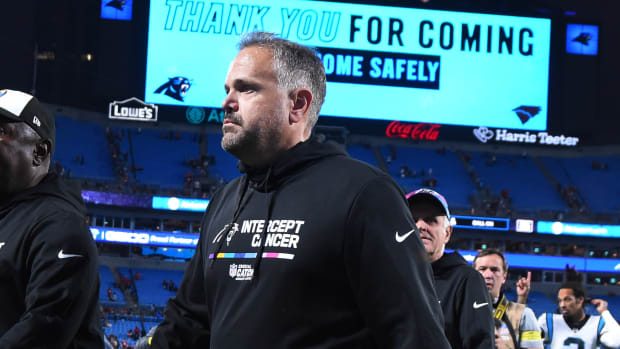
{"x": 49, "y": 282}
{"x": 310, "y": 248}
{"x": 464, "y": 298}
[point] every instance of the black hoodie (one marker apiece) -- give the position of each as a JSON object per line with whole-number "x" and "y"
{"x": 465, "y": 301}
{"x": 49, "y": 281}
{"x": 317, "y": 251}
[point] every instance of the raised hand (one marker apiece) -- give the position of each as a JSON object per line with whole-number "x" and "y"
{"x": 523, "y": 288}
{"x": 600, "y": 304}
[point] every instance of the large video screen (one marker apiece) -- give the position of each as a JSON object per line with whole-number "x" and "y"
{"x": 382, "y": 63}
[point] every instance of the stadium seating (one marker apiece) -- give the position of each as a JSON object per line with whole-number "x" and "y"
{"x": 85, "y": 139}
{"x": 527, "y": 186}
{"x": 122, "y": 324}
{"x": 596, "y": 178}
{"x": 225, "y": 165}
{"x": 537, "y": 301}
{"x": 452, "y": 181}
{"x": 540, "y": 303}
{"x": 107, "y": 281}
{"x": 613, "y": 304}
{"x": 363, "y": 153}
{"x": 149, "y": 286}
{"x": 162, "y": 154}
{"x": 171, "y": 254}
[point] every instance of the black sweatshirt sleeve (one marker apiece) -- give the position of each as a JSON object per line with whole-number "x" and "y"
{"x": 476, "y": 327}
{"x": 185, "y": 322}
{"x": 389, "y": 272}
{"x": 62, "y": 286}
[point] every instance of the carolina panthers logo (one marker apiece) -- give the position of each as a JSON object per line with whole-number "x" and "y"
{"x": 525, "y": 112}
{"x": 583, "y": 38}
{"x": 117, "y": 4}
{"x": 175, "y": 87}
{"x": 229, "y": 229}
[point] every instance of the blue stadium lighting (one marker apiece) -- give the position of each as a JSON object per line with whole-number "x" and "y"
{"x": 177, "y": 253}
{"x": 544, "y": 262}
{"x": 528, "y": 261}
{"x": 116, "y": 199}
{"x": 179, "y": 204}
{"x": 603, "y": 265}
{"x": 143, "y": 237}
{"x": 578, "y": 229}
{"x": 480, "y": 223}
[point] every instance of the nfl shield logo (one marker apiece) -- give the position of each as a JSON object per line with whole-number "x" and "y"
{"x": 232, "y": 271}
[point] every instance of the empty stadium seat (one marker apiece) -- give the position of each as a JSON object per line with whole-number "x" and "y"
{"x": 162, "y": 156}
{"x": 453, "y": 182}
{"x": 107, "y": 281}
{"x": 363, "y": 153}
{"x": 527, "y": 186}
{"x": 225, "y": 165}
{"x": 599, "y": 187}
{"x": 80, "y": 138}
{"x": 149, "y": 286}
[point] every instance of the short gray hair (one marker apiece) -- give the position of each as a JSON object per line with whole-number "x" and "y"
{"x": 295, "y": 65}
{"x": 446, "y": 222}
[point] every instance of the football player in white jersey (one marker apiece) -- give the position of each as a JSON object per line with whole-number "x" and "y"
{"x": 574, "y": 328}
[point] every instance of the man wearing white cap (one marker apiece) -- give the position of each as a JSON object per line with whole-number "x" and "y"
{"x": 464, "y": 298}
{"x": 49, "y": 281}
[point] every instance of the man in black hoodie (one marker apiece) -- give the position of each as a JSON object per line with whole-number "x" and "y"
{"x": 49, "y": 282}
{"x": 310, "y": 248}
{"x": 464, "y": 297}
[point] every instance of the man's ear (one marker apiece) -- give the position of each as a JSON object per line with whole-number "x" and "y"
{"x": 580, "y": 301}
{"x": 448, "y": 234}
{"x": 41, "y": 152}
{"x": 301, "y": 98}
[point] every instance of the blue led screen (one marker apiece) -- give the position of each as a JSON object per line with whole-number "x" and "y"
{"x": 179, "y": 204}
{"x": 582, "y": 39}
{"x": 382, "y": 63}
{"x": 578, "y": 229}
{"x": 120, "y": 10}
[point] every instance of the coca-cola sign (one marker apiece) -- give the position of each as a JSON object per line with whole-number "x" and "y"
{"x": 421, "y": 131}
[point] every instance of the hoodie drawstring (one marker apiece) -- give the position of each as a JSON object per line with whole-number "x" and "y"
{"x": 263, "y": 237}
{"x": 222, "y": 237}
